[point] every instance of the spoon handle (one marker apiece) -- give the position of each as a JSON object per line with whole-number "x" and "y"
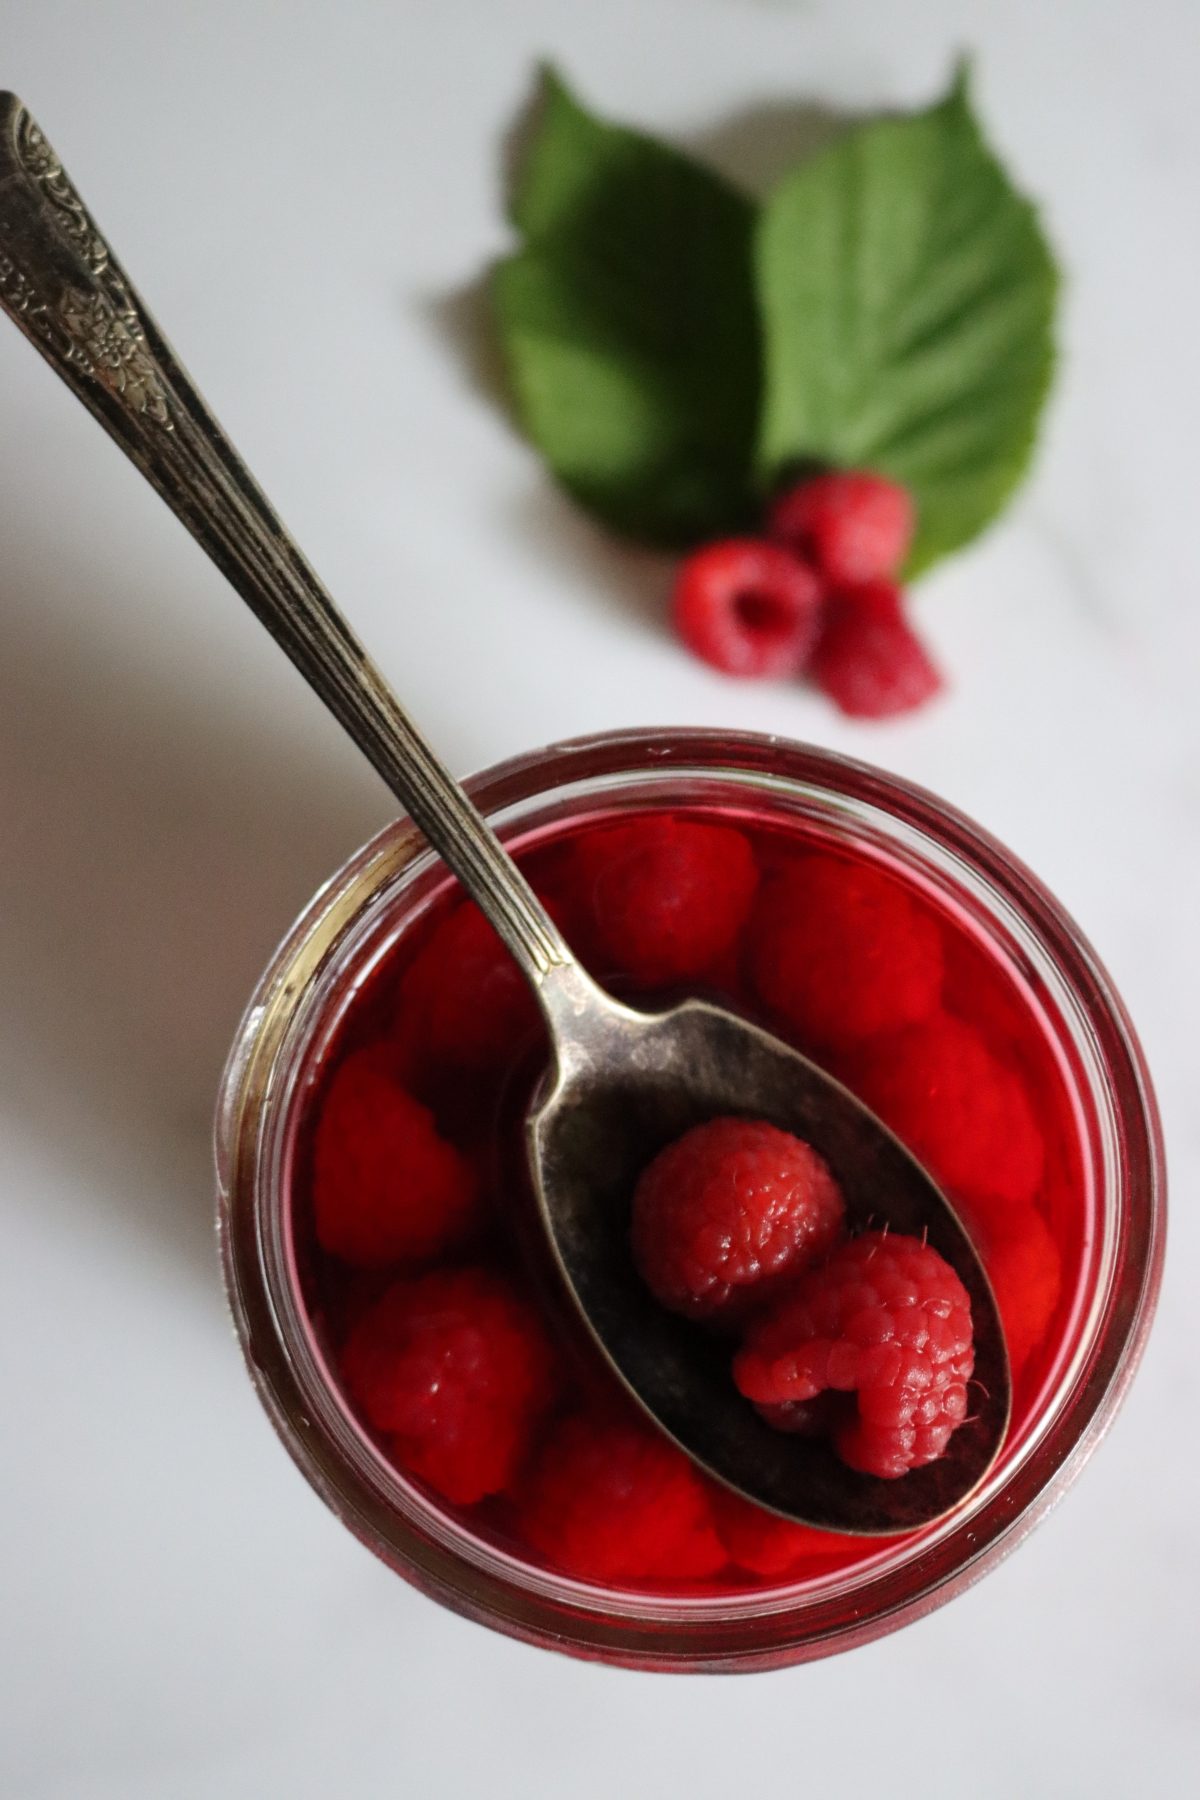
{"x": 64, "y": 288}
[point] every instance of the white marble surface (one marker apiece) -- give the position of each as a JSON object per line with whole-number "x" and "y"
{"x": 298, "y": 187}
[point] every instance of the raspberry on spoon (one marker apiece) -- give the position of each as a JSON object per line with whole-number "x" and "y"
{"x": 887, "y": 1320}
{"x": 727, "y": 1213}
{"x": 748, "y": 607}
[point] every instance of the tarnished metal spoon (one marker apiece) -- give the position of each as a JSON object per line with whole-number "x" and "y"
{"x": 623, "y": 1083}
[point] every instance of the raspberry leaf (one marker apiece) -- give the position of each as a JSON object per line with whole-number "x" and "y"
{"x": 629, "y": 327}
{"x": 908, "y": 298}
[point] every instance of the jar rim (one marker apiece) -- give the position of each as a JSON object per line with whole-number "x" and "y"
{"x": 651, "y": 1631}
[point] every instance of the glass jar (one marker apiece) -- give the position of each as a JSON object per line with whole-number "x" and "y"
{"x": 330, "y": 953}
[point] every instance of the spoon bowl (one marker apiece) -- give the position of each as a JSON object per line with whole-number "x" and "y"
{"x": 628, "y": 1083}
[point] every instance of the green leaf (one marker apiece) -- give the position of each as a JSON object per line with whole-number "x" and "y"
{"x": 908, "y": 299}
{"x": 629, "y": 326}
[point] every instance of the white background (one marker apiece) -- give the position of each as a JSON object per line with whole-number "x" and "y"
{"x": 301, "y": 190}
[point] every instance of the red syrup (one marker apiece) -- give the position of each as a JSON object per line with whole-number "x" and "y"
{"x": 965, "y": 1070}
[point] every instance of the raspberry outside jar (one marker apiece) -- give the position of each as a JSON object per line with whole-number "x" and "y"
{"x": 1109, "y": 1214}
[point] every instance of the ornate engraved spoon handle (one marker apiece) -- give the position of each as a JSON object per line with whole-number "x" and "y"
{"x": 64, "y": 288}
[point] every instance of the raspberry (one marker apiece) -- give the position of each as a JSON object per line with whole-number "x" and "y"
{"x": 841, "y": 952}
{"x": 764, "y": 1544}
{"x": 667, "y": 897}
{"x": 608, "y": 1499}
{"x": 869, "y": 660}
{"x": 1025, "y": 1269}
{"x": 886, "y": 1319}
{"x": 456, "y": 1369}
{"x": 854, "y": 526}
{"x": 748, "y": 607}
{"x": 729, "y": 1211}
{"x": 979, "y": 989}
{"x": 959, "y": 1109}
{"x": 386, "y": 1187}
{"x": 462, "y": 1000}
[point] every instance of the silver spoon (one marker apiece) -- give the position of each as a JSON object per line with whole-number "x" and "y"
{"x": 623, "y": 1083}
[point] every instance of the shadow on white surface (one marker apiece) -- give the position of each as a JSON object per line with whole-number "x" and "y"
{"x": 156, "y": 844}
{"x": 756, "y": 145}
{"x": 623, "y": 576}
{"x": 461, "y": 317}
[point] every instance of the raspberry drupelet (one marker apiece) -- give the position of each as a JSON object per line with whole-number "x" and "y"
{"x": 887, "y": 1320}
{"x": 727, "y": 1213}
{"x": 455, "y": 1369}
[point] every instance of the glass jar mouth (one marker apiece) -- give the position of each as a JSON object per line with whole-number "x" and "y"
{"x": 395, "y": 876}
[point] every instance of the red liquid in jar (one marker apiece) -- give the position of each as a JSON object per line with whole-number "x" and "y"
{"x": 972, "y": 1083}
